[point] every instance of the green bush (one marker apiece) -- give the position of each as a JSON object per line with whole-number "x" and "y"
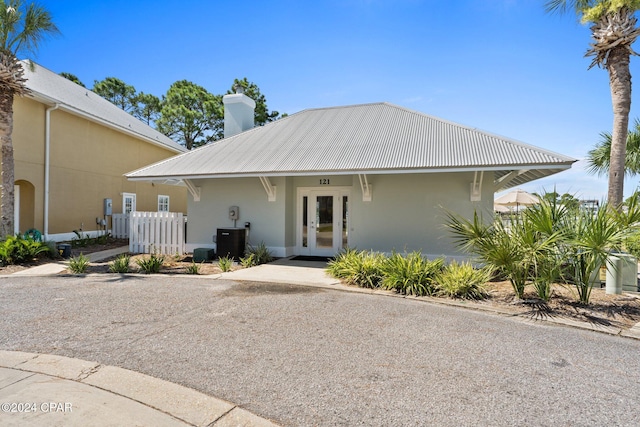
{"x": 463, "y": 281}
{"x": 18, "y": 250}
{"x": 358, "y": 268}
{"x": 79, "y": 264}
{"x": 248, "y": 261}
{"x": 81, "y": 240}
{"x": 150, "y": 265}
{"x": 632, "y": 245}
{"x": 411, "y": 274}
{"x": 120, "y": 264}
{"x": 225, "y": 263}
{"x": 193, "y": 268}
{"x": 261, "y": 254}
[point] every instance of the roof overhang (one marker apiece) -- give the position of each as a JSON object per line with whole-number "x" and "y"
{"x": 504, "y": 176}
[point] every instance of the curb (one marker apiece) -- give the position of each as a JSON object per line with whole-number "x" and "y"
{"x": 184, "y": 404}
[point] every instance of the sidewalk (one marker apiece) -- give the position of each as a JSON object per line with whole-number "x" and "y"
{"x": 58, "y": 267}
{"x": 38, "y": 389}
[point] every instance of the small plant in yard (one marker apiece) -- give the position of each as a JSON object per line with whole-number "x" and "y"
{"x": 248, "y": 261}
{"x": 120, "y": 264}
{"x": 358, "y": 268}
{"x": 151, "y": 264}
{"x": 81, "y": 240}
{"x": 411, "y": 274}
{"x": 79, "y": 264}
{"x": 193, "y": 268}
{"x": 261, "y": 254}
{"x": 18, "y": 250}
{"x": 463, "y": 281}
{"x": 225, "y": 263}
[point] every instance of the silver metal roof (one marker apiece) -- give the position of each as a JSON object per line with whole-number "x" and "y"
{"x": 369, "y": 138}
{"x": 51, "y": 88}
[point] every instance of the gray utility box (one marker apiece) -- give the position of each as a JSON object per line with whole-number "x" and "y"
{"x": 230, "y": 242}
{"x": 622, "y": 273}
{"x": 203, "y": 254}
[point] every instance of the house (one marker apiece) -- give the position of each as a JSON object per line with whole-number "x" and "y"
{"x": 374, "y": 176}
{"x": 71, "y": 150}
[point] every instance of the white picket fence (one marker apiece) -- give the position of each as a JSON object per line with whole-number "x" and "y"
{"x": 157, "y": 232}
{"x": 120, "y": 226}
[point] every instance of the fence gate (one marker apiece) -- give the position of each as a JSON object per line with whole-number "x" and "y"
{"x": 157, "y": 232}
{"x": 120, "y": 226}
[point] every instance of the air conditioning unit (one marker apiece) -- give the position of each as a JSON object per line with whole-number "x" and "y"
{"x": 230, "y": 242}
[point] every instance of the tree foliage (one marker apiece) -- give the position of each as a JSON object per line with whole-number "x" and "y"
{"x": 598, "y": 158}
{"x": 191, "y": 115}
{"x": 72, "y": 77}
{"x": 147, "y": 107}
{"x": 23, "y": 27}
{"x": 117, "y": 92}
{"x": 262, "y": 114}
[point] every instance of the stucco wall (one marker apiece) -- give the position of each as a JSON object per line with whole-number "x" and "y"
{"x": 212, "y": 211}
{"x": 407, "y": 211}
{"x": 88, "y": 161}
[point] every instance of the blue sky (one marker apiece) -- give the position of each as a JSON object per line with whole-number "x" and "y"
{"x": 503, "y": 66}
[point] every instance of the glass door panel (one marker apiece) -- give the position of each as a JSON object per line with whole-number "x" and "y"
{"x": 324, "y": 222}
{"x": 345, "y": 221}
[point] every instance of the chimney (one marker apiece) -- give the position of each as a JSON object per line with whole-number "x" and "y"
{"x": 238, "y": 112}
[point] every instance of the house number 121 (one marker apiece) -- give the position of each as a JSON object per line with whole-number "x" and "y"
{"x": 324, "y": 181}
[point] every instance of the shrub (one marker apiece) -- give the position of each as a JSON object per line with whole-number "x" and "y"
{"x": 18, "y": 250}
{"x": 411, "y": 274}
{"x": 79, "y": 264}
{"x": 248, "y": 261}
{"x": 463, "y": 281}
{"x": 81, "y": 240}
{"x": 120, "y": 264}
{"x": 193, "y": 268}
{"x": 261, "y": 254}
{"x": 358, "y": 268}
{"x": 225, "y": 263}
{"x": 150, "y": 265}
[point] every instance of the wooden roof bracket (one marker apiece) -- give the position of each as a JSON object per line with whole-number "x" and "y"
{"x": 476, "y": 187}
{"x": 366, "y": 187}
{"x": 269, "y": 188}
{"x": 502, "y": 182}
{"x": 195, "y": 191}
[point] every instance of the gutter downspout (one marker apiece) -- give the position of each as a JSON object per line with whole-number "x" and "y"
{"x": 47, "y": 150}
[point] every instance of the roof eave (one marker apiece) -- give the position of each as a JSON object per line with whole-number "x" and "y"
{"x": 555, "y": 167}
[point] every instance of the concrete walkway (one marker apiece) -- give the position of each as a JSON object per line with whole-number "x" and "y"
{"x": 58, "y": 267}
{"x": 39, "y": 389}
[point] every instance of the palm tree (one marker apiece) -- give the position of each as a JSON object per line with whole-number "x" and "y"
{"x": 598, "y": 159}
{"x": 22, "y": 28}
{"x": 613, "y": 30}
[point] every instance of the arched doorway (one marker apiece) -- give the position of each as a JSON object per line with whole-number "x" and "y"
{"x": 25, "y": 203}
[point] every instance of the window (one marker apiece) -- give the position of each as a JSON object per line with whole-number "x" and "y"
{"x": 128, "y": 203}
{"x": 163, "y": 203}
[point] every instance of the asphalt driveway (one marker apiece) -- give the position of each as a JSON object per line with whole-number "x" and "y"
{"x": 309, "y": 356}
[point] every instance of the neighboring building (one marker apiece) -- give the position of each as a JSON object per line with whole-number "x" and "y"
{"x": 71, "y": 149}
{"x": 374, "y": 176}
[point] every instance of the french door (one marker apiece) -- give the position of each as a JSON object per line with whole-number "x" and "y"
{"x": 323, "y": 221}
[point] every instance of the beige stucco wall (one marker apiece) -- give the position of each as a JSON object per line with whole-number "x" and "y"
{"x": 407, "y": 211}
{"x": 268, "y": 219}
{"x": 87, "y": 161}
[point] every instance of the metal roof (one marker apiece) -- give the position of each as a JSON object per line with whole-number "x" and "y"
{"x": 51, "y": 88}
{"x": 369, "y": 138}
